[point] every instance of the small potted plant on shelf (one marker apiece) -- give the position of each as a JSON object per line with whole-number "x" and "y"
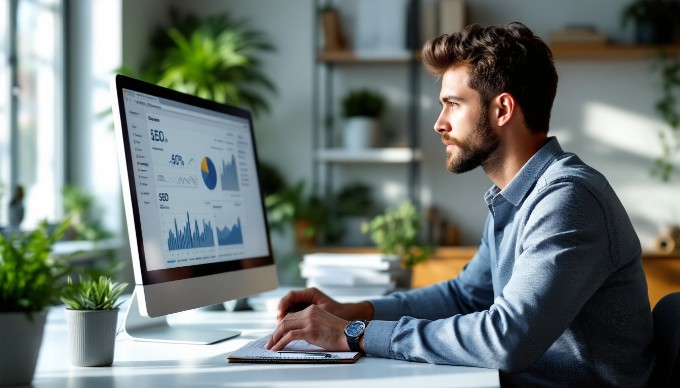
{"x": 92, "y": 317}
{"x": 361, "y": 109}
{"x": 397, "y": 231}
{"x": 655, "y": 21}
{"x": 31, "y": 280}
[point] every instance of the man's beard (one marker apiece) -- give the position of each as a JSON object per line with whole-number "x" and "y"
{"x": 475, "y": 149}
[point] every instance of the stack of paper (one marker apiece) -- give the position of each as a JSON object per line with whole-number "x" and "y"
{"x": 351, "y": 274}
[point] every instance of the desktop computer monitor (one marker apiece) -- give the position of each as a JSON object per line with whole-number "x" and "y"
{"x": 195, "y": 215}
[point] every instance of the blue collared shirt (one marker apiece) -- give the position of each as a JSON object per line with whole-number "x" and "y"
{"x": 556, "y": 294}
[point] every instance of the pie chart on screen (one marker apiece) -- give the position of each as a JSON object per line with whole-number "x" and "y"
{"x": 208, "y": 173}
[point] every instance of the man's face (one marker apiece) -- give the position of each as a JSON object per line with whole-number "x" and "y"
{"x": 463, "y": 123}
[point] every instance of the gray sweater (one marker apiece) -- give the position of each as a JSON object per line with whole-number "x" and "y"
{"x": 555, "y": 296}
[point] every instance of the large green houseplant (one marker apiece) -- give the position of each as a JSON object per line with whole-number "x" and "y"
{"x": 30, "y": 281}
{"x": 216, "y": 58}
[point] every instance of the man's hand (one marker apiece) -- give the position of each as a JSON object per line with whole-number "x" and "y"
{"x": 314, "y": 325}
{"x": 297, "y": 300}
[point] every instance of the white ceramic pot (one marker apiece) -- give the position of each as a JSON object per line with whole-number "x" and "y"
{"x": 20, "y": 340}
{"x": 92, "y": 336}
{"x": 359, "y": 132}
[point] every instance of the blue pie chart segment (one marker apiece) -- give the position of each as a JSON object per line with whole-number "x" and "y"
{"x": 209, "y": 173}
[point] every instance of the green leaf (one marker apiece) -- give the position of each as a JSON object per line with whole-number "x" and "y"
{"x": 215, "y": 58}
{"x": 397, "y": 232}
{"x": 88, "y": 294}
{"x": 30, "y": 278}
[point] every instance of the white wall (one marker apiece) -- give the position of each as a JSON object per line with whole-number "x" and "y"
{"x": 603, "y": 111}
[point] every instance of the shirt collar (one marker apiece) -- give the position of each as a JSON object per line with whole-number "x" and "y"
{"x": 528, "y": 175}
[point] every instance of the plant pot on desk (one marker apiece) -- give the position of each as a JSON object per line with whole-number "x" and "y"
{"x": 92, "y": 336}
{"x": 21, "y": 337}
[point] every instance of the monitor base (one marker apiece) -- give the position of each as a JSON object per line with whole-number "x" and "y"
{"x": 141, "y": 328}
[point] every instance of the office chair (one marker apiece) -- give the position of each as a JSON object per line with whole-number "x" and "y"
{"x": 666, "y": 316}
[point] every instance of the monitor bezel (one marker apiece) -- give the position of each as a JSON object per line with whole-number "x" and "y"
{"x": 150, "y": 277}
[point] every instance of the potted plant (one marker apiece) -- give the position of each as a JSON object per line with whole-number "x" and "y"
{"x": 30, "y": 281}
{"x": 397, "y": 231}
{"x": 216, "y": 58}
{"x": 353, "y": 204}
{"x": 307, "y": 213}
{"x": 92, "y": 316}
{"x": 361, "y": 109}
{"x": 655, "y": 21}
{"x": 81, "y": 209}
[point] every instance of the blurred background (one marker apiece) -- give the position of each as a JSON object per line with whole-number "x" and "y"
{"x": 57, "y": 154}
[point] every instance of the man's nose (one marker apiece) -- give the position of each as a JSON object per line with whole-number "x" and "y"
{"x": 442, "y": 125}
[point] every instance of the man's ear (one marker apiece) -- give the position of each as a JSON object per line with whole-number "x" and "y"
{"x": 503, "y": 111}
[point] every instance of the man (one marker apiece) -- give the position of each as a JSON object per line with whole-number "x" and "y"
{"x": 556, "y": 294}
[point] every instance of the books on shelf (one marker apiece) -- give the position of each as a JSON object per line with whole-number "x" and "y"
{"x": 351, "y": 274}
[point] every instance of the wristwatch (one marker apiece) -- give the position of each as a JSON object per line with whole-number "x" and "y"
{"x": 354, "y": 331}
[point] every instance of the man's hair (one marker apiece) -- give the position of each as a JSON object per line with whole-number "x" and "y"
{"x": 508, "y": 59}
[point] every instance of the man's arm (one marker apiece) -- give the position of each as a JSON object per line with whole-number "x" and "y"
{"x": 564, "y": 259}
{"x": 300, "y": 315}
{"x": 470, "y": 291}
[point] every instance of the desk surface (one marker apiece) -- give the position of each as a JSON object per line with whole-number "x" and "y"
{"x": 146, "y": 364}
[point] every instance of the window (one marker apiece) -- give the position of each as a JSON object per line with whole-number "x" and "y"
{"x": 31, "y": 109}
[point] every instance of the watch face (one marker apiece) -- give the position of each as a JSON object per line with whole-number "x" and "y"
{"x": 355, "y": 328}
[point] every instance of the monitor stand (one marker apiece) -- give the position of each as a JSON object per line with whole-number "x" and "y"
{"x": 141, "y": 328}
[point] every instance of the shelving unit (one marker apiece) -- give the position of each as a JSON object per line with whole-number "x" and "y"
{"x": 328, "y": 156}
{"x": 331, "y": 163}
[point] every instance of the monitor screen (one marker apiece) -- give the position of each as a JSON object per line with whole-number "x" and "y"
{"x": 195, "y": 214}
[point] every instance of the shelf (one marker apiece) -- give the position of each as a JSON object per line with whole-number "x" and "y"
{"x": 608, "y": 51}
{"x": 370, "y": 155}
{"x": 560, "y": 51}
{"x": 349, "y": 57}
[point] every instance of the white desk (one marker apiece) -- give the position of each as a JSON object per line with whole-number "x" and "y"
{"x": 145, "y": 364}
